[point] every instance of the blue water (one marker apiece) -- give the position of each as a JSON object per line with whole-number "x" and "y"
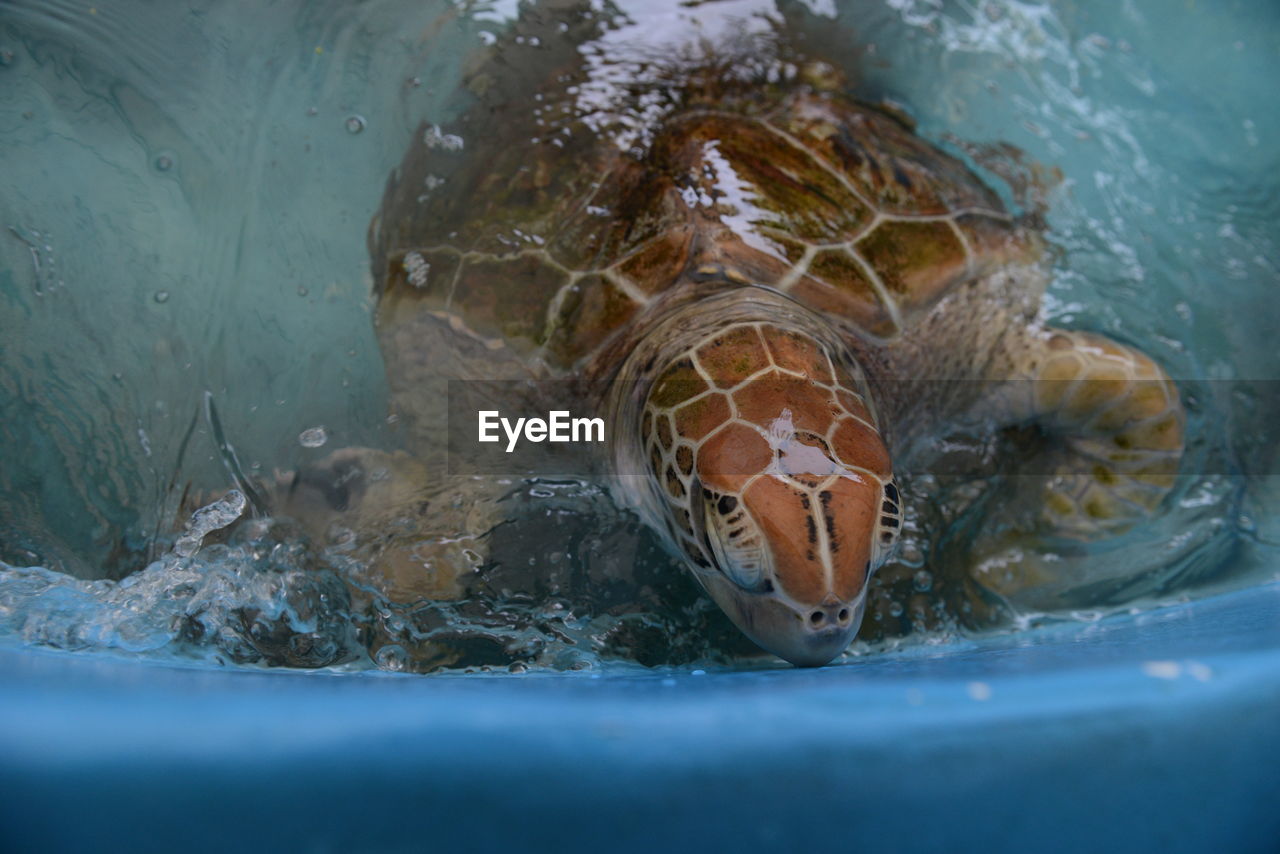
{"x": 184, "y": 198}
{"x": 1154, "y": 732}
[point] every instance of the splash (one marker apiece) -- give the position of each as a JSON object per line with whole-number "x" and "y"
{"x": 261, "y": 601}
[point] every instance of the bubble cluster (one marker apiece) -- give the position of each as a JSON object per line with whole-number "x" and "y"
{"x": 434, "y": 138}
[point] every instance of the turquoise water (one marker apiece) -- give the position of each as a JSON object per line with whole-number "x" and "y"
{"x": 184, "y": 200}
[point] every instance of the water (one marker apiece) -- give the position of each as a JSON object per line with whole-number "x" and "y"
{"x": 184, "y": 201}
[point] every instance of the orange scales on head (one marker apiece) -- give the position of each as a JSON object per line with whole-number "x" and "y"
{"x": 785, "y": 502}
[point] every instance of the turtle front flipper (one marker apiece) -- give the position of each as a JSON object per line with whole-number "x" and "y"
{"x": 1118, "y": 420}
{"x": 1113, "y": 421}
{"x": 411, "y": 537}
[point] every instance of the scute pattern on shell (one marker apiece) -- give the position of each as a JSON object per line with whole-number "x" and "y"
{"x": 545, "y": 235}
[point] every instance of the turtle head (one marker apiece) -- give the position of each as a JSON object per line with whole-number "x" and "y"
{"x": 775, "y": 482}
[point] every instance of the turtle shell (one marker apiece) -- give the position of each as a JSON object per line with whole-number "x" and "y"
{"x": 551, "y": 228}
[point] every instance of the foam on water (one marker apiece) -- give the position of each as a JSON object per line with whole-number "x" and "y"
{"x": 184, "y": 206}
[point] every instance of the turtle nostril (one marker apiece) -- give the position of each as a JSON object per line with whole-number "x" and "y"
{"x": 816, "y": 618}
{"x": 843, "y": 616}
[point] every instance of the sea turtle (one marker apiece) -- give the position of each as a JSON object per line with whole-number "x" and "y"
{"x": 769, "y": 290}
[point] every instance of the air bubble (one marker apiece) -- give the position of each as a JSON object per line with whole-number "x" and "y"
{"x": 391, "y": 657}
{"x": 163, "y": 163}
{"x": 314, "y": 437}
{"x": 161, "y": 296}
{"x": 922, "y": 581}
{"x": 355, "y": 124}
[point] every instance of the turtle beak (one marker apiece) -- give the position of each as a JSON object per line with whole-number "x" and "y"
{"x": 797, "y": 585}
{"x": 805, "y": 637}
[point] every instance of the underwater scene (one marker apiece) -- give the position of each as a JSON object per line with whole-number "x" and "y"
{"x": 223, "y": 376}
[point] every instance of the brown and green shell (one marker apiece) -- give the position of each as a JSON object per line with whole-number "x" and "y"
{"x": 556, "y": 224}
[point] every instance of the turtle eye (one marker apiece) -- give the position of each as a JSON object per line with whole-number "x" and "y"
{"x": 890, "y": 526}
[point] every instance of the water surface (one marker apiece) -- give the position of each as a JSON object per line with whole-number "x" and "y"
{"x": 184, "y": 200}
